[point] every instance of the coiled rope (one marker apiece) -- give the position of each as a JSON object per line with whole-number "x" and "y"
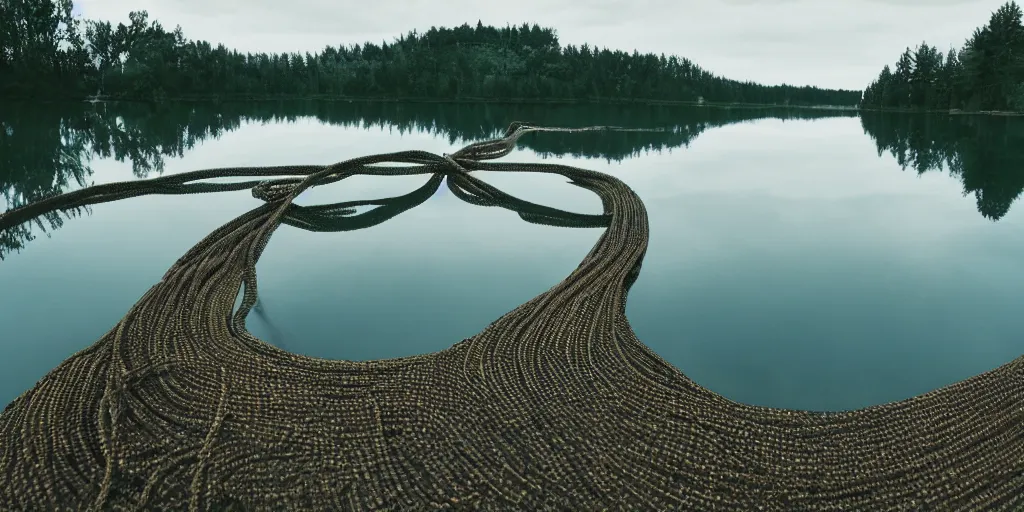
{"x": 554, "y": 406}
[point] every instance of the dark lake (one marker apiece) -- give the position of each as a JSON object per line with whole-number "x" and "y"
{"x": 798, "y": 258}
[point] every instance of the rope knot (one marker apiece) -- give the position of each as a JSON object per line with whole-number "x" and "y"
{"x": 273, "y": 190}
{"x": 453, "y": 164}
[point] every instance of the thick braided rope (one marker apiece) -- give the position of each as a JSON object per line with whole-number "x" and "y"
{"x": 554, "y": 406}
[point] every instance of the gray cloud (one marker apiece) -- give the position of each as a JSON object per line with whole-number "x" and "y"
{"x": 840, "y": 43}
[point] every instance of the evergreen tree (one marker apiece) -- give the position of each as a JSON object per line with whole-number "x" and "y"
{"x": 986, "y": 74}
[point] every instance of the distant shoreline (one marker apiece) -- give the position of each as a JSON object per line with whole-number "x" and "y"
{"x": 463, "y": 100}
{"x": 511, "y": 101}
{"x": 952, "y": 112}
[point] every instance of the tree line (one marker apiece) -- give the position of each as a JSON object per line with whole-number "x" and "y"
{"x": 46, "y": 52}
{"x": 987, "y": 73}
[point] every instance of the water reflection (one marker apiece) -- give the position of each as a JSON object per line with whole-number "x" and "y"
{"x": 985, "y": 153}
{"x": 789, "y": 266}
{"x": 45, "y": 149}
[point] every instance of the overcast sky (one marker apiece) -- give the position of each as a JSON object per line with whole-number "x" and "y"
{"x": 833, "y": 43}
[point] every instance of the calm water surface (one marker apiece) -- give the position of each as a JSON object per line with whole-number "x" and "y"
{"x": 808, "y": 262}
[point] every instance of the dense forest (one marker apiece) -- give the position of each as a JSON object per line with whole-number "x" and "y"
{"x": 46, "y": 150}
{"x": 46, "y": 52}
{"x": 986, "y": 74}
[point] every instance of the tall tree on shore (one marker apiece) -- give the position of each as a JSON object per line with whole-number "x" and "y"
{"x": 986, "y": 74}
{"x": 41, "y": 48}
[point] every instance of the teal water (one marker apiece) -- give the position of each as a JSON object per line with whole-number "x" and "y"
{"x": 800, "y": 259}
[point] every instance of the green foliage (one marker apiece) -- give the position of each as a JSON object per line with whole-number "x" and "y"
{"x": 986, "y": 74}
{"x": 143, "y": 61}
{"x": 41, "y": 48}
